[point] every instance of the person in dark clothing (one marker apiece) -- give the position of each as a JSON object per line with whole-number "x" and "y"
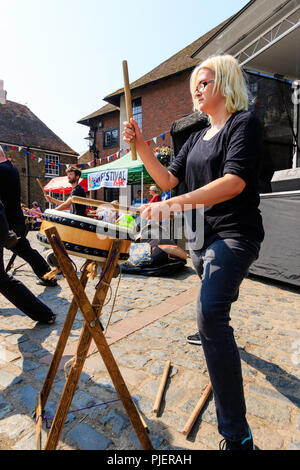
{"x": 10, "y": 194}
{"x": 220, "y": 166}
{"x": 74, "y": 175}
{"x": 15, "y": 291}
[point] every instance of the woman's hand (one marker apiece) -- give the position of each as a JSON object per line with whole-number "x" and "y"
{"x": 156, "y": 211}
{"x": 132, "y": 131}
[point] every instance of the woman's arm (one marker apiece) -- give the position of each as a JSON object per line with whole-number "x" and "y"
{"x": 162, "y": 177}
{"x": 220, "y": 190}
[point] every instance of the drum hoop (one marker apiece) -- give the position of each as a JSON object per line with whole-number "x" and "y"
{"x": 84, "y": 223}
{"x": 84, "y": 250}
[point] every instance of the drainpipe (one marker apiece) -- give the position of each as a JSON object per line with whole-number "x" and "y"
{"x": 28, "y": 176}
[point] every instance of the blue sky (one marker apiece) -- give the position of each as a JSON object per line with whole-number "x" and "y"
{"x": 61, "y": 57}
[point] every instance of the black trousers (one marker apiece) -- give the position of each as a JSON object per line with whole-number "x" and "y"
{"x": 21, "y": 297}
{"x": 27, "y": 253}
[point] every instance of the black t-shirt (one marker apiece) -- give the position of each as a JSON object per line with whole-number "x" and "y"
{"x": 78, "y": 209}
{"x": 10, "y": 194}
{"x": 235, "y": 149}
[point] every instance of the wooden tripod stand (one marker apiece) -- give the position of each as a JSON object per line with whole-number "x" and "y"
{"x": 91, "y": 330}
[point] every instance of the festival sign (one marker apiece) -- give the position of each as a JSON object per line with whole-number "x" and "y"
{"x": 108, "y": 179}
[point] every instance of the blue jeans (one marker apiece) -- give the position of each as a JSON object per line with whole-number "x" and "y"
{"x": 222, "y": 267}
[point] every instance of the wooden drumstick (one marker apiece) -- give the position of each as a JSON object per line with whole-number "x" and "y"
{"x": 161, "y": 388}
{"x": 117, "y": 207}
{"x": 128, "y": 105}
{"x": 41, "y": 186}
{"x": 94, "y": 202}
{"x": 192, "y": 419}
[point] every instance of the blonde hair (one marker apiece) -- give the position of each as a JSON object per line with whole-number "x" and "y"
{"x": 229, "y": 80}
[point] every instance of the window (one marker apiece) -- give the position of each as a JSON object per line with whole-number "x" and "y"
{"x": 111, "y": 138}
{"x": 137, "y": 111}
{"x": 52, "y": 165}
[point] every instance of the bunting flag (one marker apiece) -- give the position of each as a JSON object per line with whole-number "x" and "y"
{"x": 92, "y": 163}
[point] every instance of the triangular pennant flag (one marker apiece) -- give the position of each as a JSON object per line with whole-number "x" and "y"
{"x": 89, "y": 163}
{"x": 13, "y": 147}
{"x": 20, "y": 148}
{"x": 155, "y": 139}
{"x": 40, "y": 159}
{"x": 163, "y": 136}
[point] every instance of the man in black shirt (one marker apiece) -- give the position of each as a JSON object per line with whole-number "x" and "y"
{"x": 74, "y": 175}
{"x": 10, "y": 194}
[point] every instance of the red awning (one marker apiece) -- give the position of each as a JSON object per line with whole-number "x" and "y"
{"x": 62, "y": 186}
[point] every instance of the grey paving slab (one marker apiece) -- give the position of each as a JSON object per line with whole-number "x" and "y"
{"x": 86, "y": 438}
{"x": 266, "y": 322}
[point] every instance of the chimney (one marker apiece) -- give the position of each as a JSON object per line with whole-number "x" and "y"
{"x": 2, "y": 93}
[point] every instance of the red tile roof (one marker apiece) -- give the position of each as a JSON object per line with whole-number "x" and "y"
{"x": 20, "y": 127}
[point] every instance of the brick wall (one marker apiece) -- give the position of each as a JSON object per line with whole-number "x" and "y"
{"x": 36, "y": 170}
{"x": 110, "y": 121}
{"x": 162, "y": 104}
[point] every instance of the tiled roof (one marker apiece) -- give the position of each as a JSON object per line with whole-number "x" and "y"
{"x": 108, "y": 108}
{"x": 19, "y": 126}
{"x": 179, "y": 62}
{"x": 86, "y": 157}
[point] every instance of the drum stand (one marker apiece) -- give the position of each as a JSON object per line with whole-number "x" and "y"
{"x": 92, "y": 330}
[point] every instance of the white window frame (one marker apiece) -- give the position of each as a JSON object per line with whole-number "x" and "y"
{"x": 137, "y": 115}
{"x": 52, "y": 171}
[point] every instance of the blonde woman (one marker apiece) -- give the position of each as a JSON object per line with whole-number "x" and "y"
{"x": 219, "y": 165}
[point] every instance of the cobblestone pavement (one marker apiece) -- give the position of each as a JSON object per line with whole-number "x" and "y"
{"x": 266, "y": 320}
